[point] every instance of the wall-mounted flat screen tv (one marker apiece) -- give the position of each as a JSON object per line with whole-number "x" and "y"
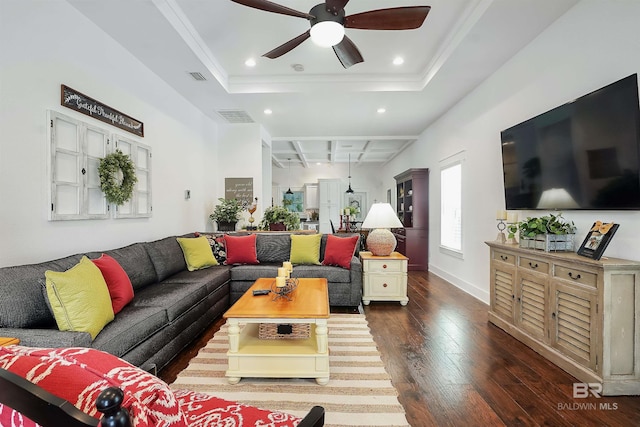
{"x": 580, "y": 155}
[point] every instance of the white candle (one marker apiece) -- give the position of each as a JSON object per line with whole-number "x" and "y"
{"x": 501, "y": 214}
{"x": 288, "y": 266}
{"x": 512, "y": 217}
{"x": 283, "y": 272}
{"x": 280, "y": 282}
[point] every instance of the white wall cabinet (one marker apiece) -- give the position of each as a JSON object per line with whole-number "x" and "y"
{"x": 583, "y": 315}
{"x": 311, "y": 196}
{"x": 330, "y": 203}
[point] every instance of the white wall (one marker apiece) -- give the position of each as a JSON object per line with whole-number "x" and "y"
{"x": 44, "y": 45}
{"x": 241, "y": 147}
{"x": 592, "y": 45}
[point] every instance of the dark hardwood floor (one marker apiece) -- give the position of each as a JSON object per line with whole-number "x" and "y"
{"x": 453, "y": 368}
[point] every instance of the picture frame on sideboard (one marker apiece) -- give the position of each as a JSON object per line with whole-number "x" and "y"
{"x": 597, "y": 239}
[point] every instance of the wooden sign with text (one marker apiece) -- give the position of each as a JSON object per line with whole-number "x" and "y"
{"x": 75, "y": 100}
{"x": 240, "y": 189}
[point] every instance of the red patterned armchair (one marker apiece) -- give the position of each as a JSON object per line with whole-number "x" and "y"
{"x": 78, "y": 386}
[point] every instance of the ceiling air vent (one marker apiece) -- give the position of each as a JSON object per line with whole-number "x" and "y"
{"x": 197, "y": 76}
{"x": 235, "y": 116}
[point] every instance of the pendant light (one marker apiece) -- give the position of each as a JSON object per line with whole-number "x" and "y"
{"x": 349, "y": 190}
{"x": 289, "y": 190}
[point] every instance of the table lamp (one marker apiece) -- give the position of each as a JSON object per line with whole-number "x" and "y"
{"x": 381, "y": 217}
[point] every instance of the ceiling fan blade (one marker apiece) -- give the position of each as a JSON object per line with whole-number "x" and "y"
{"x": 273, "y": 7}
{"x": 336, "y": 5}
{"x": 347, "y": 53}
{"x": 286, "y": 47}
{"x": 395, "y": 18}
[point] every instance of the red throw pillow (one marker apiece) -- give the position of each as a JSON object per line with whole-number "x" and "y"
{"x": 120, "y": 288}
{"x": 340, "y": 250}
{"x": 241, "y": 249}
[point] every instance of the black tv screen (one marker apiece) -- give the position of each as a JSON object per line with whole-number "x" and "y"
{"x": 580, "y": 155}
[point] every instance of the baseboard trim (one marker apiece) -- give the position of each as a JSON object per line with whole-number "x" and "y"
{"x": 470, "y": 288}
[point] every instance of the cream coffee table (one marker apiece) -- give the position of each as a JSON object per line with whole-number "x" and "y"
{"x": 250, "y": 356}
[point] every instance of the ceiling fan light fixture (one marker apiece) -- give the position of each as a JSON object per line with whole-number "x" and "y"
{"x": 327, "y": 33}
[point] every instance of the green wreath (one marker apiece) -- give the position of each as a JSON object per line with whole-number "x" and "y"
{"x": 115, "y": 190}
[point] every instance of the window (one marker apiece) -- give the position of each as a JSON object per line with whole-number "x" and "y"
{"x": 451, "y": 204}
{"x": 140, "y": 203}
{"x": 76, "y": 150}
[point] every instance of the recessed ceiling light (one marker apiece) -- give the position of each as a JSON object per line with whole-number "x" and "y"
{"x": 398, "y": 60}
{"x": 318, "y": 163}
{"x": 250, "y": 62}
{"x": 382, "y": 110}
{"x": 268, "y": 111}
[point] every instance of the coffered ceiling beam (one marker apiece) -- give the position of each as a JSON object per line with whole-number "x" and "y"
{"x": 332, "y": 151}
{"x": 298, "y": 148}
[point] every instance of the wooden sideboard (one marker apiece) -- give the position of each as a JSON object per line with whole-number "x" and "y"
{"x": 583, "y": 315}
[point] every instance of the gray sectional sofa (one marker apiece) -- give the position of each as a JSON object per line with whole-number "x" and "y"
{"x": 345, "y": 285}
{"x": 171, "y": 305}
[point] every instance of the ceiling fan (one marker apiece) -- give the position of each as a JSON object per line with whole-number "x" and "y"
{"x": 328, "y": 22}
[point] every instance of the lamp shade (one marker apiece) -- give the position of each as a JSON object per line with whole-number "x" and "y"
{"x": 381, "y": 215}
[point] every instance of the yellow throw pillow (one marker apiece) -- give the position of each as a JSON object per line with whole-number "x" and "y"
{"x": 79, "y": 298}
{"x": 197, "y": 252}
{"x": 305, "y": 248}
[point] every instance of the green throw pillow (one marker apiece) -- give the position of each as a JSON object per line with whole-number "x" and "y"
{"x": 79, "y": 298}
{"x": 197, "y": 252}
{"x": 305, "y": 248}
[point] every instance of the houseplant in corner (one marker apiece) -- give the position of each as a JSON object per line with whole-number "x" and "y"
{"x": 279, "y": 215}
{"x": 549, "y": 233}
{"x": 226, "y": 214}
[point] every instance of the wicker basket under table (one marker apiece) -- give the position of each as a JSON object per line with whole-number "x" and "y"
{"x": 291, "y": 331}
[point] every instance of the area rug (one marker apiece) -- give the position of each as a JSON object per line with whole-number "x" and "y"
{"x": 359, "y": 392}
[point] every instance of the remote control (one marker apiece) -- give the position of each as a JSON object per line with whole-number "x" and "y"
{"x": 261, "y": 292}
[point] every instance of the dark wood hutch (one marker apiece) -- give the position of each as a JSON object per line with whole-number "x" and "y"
{"x": 412, "y": 207}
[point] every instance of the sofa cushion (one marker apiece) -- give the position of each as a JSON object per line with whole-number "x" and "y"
{"x": 339, "y": 251}
{"x": 79, "y": 298}
{"x": 305, "y": 248}
{"x": 136, "y": 262}
{"x": 166, "y": 256}
{"x": 254, "y": 272}
{"x": 332, "y": 274}
{"x": 22, "y": 304}
{"x": 175, "y": 298}
{"x": 118, "y": 283}
{"x": 241, "y": 249}
{"x": 273, "y": 247}
{"x": 213, "y": 277}
{"x": 197, "y": 253}
{"x": 133, "y": 326}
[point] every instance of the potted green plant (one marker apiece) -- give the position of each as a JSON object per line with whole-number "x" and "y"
{"x": 549, "y": 232}
{"x": 279, "y": 215}
{"x": 226, "y": 214}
